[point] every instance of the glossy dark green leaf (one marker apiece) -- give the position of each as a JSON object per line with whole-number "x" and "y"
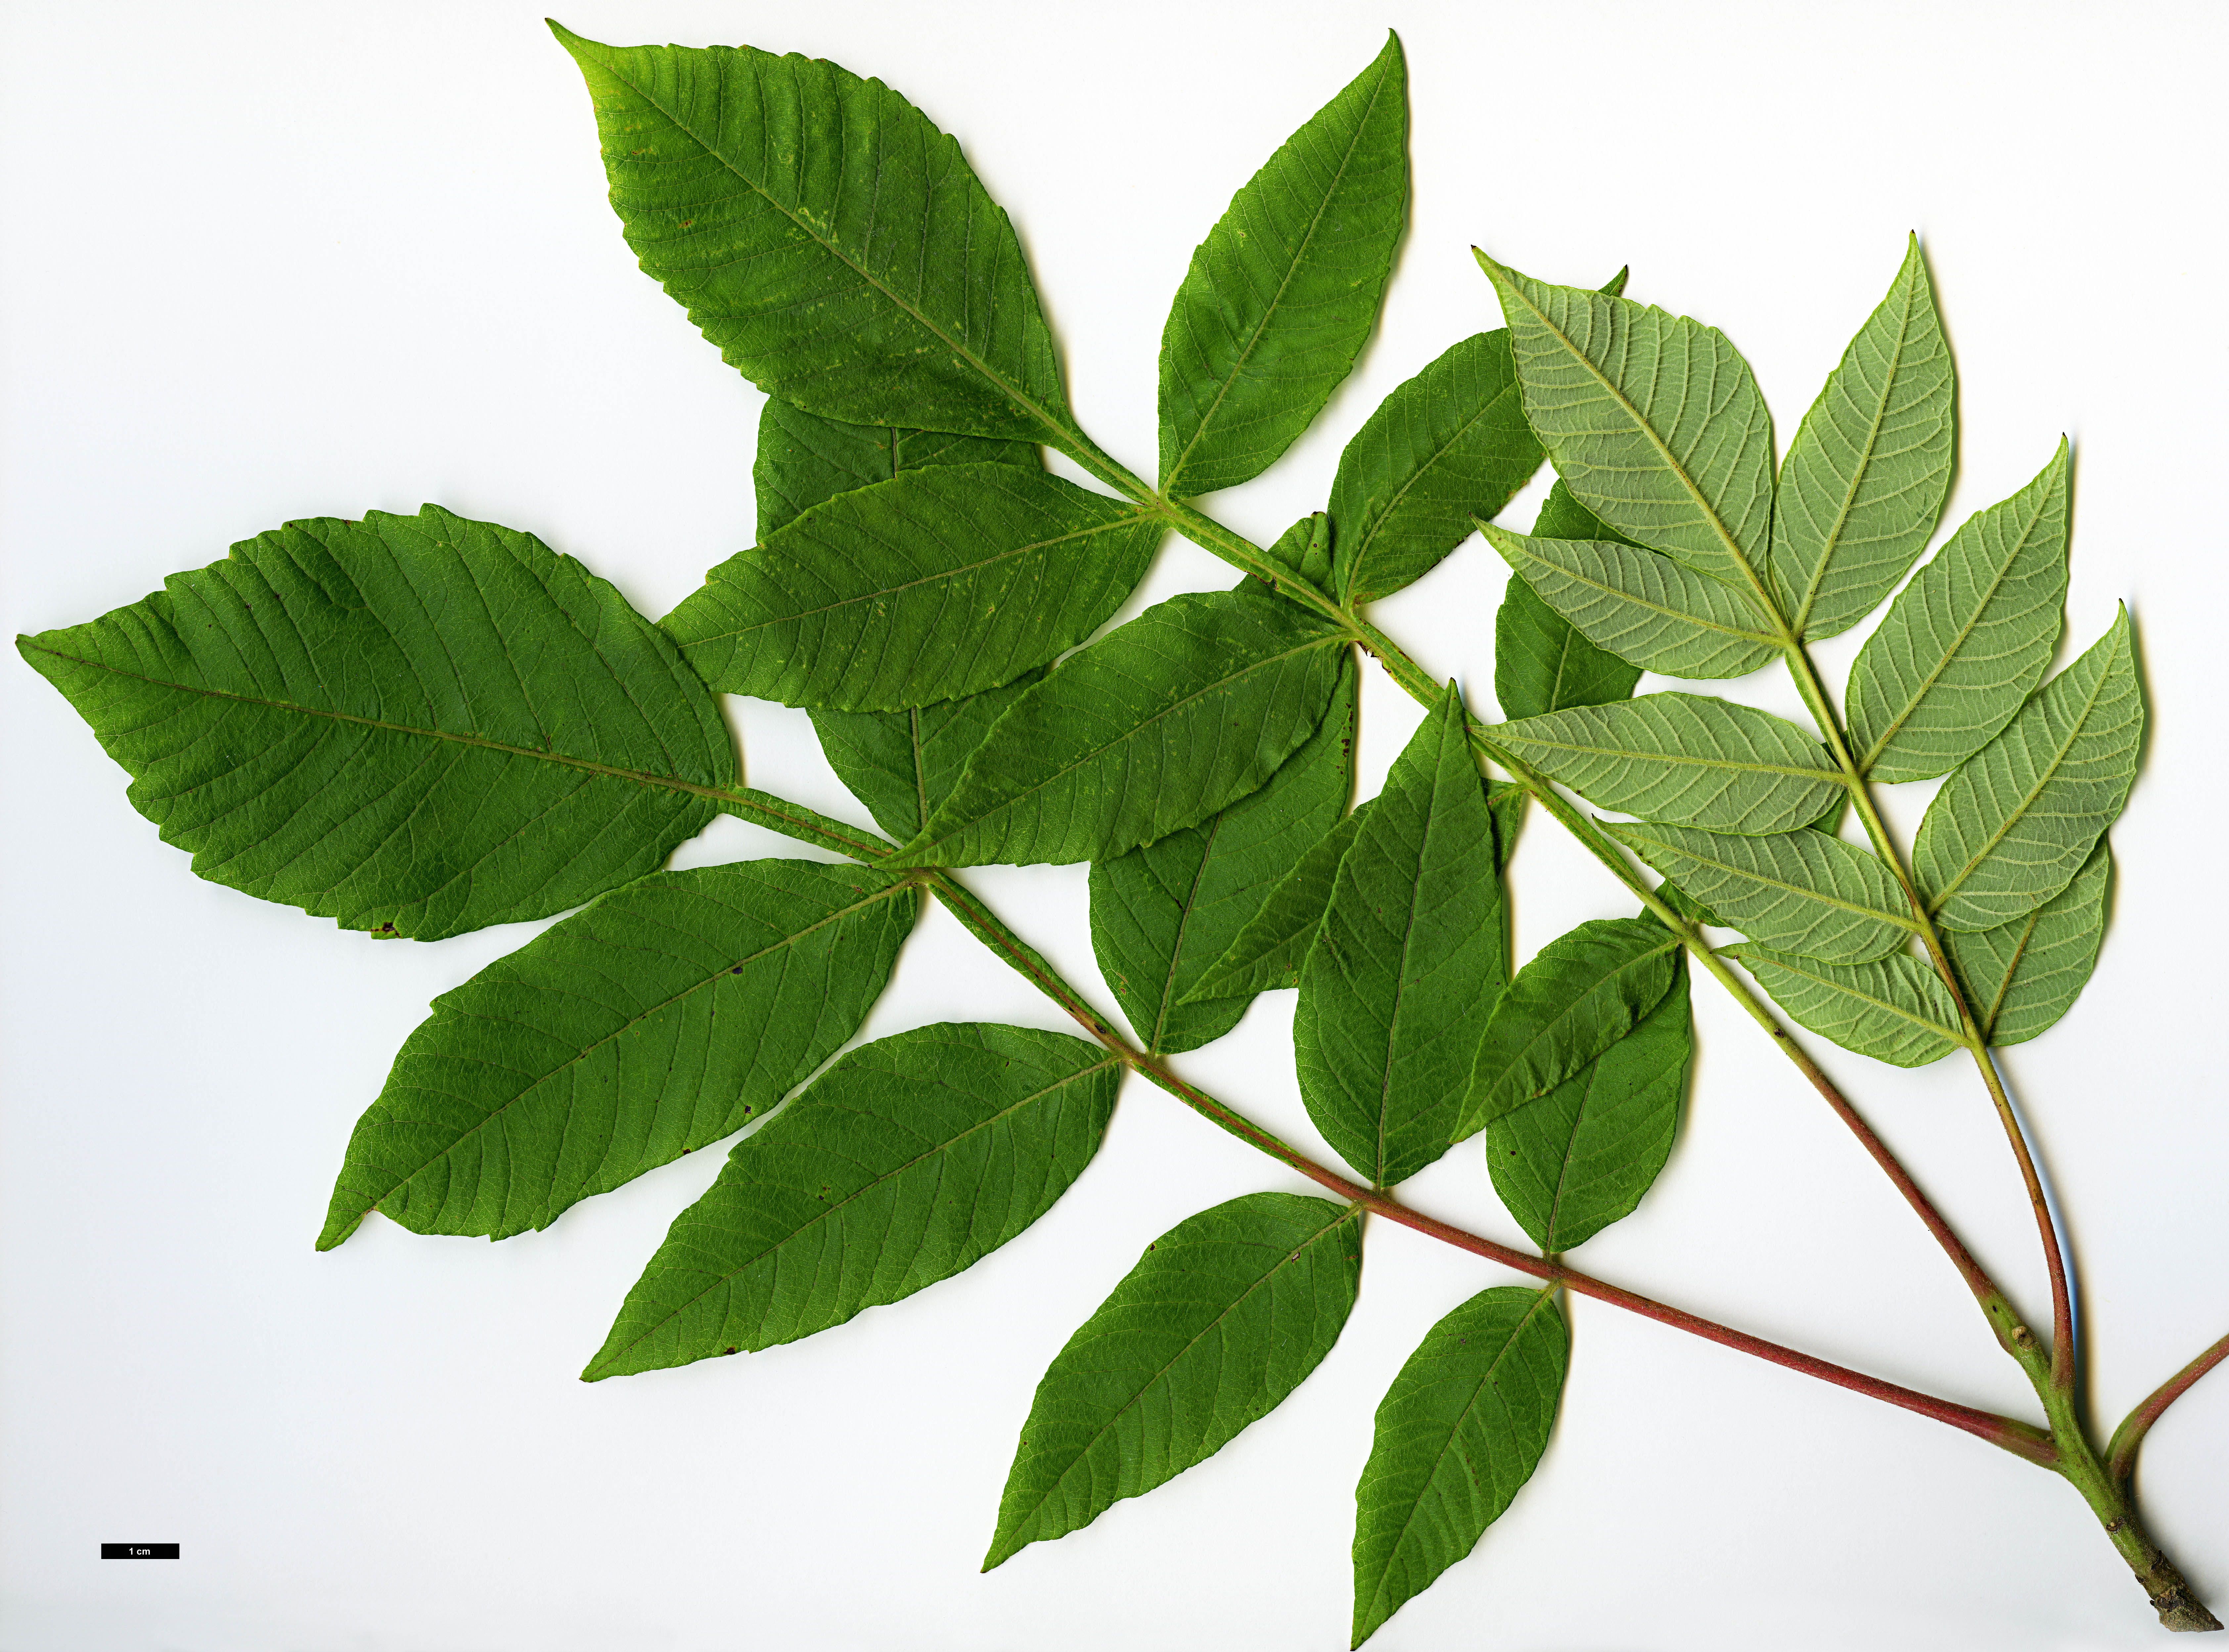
{"x": 912, "y": 1158}
{"x": 1541, "y": 663}
{"x": 804, "y": 460}
{"x": 1413, "y": 954}
{"x": 1895, "y": 1009}
{"x": 1581, "y": 993}
{"x": 1654, "y": 422}
{"x": 1164, "y": 913}
{"x": 937, "y": 583}
{"x": 1461, "y": 1429}
{"x": 1157, "y": 725}
{"x": 2010, "y": 829}
{"x": 1578, "y": 1159}
{"x": 1864, "y": 481}
{"x": 1220, "y": 1319}
{"x": 1795, "y": 891}
{"x": 827, "y": 237}
{"x": 1282, "y": 295}
{"x": 412, "y": 725}
{"x": 1962, "y": 645}
{"x": 1272, "y": 945}
{"x": 2021, "y": 978}
{"x": 902, "y": 764}
{"x": 1447, "y": 444}
{"x": 1684, "y": 758}
{"x": 667, "y": 1015}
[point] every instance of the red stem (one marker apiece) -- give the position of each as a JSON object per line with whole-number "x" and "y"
{"x": 2120, "y": 1454}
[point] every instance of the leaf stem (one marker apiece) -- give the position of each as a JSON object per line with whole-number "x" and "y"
{"x": 2121, "y": 1452}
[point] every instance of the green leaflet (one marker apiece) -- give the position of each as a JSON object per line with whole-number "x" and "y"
{"x": 1685, "y": 758}
{"x": 1447, "y": 444}
{"x": 1220, "y": 1319}
{"x": 1413, "y": 952}
{"x": 2021, "y": 978}
{"x": 1505, "y": 802}
{"x": 827, "y": 237}
{"x": 911, "y": 1159}
{"x": 1165, "y": 911}
{"x": 1895, "y": 1009}
{"x": 1282, "y": 295}
{"x": 1962, "y": 645}
{"x": 1273, "y": 943}
{"x": 1571, "y": 1163}
{"x": 661, "y": 1019}
{"x": 2010, "y": 829}
{"x": 1541, "y": 663}
{"x": 1460, "y": 1430}
{"x": 1153, "y": 728}
{"x": 1802, "y": 891}
{"x": 1645, "y": 608}
{"x": 1653, "y": 421}
{"x": 1306, "y": 549}
{"x": 1581, "y": 993}
{"x": 902, "y": 764}
{"x": 412, "y": 725}
{"x": 1863, "y": 484}
{"x": 804, "y": 460}
{"x": 937, "y": 583}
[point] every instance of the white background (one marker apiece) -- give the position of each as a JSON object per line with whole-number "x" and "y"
{"x": 272, "y": 260}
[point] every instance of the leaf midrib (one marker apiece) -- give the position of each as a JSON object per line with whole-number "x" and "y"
{"x": 1571, "y": 1008}
{"x": 1416, "y": 478}
{"x": 1900, "y": 921}
{"x": 1825, "y": 775}
{"x": 1652, "y": 605}
{"x": 1794, "y": 964}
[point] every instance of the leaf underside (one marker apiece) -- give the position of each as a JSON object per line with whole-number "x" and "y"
{"x": 2021, "y": 978}
{"x": 1541, "y": 662}
{"x": 1795, "y": 891}
{"x": 910, "y": 1159}
{"x": 1895, "y": 1009}
{"x": 413, "y": 725}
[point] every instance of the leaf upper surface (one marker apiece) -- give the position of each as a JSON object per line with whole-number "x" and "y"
{"x": 1413, "y": 952}
{"x": 2021, "y": 977}
{"x": 826, "y": 236}
{"x": 2011, "y": 828}
{"x": 1687, "y": 759}
{"x": 661, "y": 1019}
{"x": 911, "y": 1159}
{"x": 1864, "y": 481}
{"x": 1962, "y": 645}
{"x": 1446, "y": 446}
{"x": 1580, "y": 993}
{"x": 1282, "y": 295}
{"x": 1541, "y": 662}
{"x": 1578, "y": 1159}
{"x": 1653, "y": 421}
{"x": 804, "y": 460}
{"x": 1895, "y": 1009}
{"x": 1795, "y": 891}
{"x": 939, "y": 583}
{"x": 1152, "y": 728}
{"x": 902, "y": 764}
{"x": 1461, "y": 1429}
{"x": 1162, "y": 914}
{"x": 412, "y": 725}
{"x": 1220, "y": 1319}
{"x": 1273, "y": 944}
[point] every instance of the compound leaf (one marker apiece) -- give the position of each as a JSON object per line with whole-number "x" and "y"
{"x": 1413, "y": 952}
{"x": 2021, "y": 977}
{"x": 1686, "y": 758}
{"x": 2011, "y": 828}
{"x": 1460, "y": 1430}
{"x": 1163, "y": 912}
{"x": 1654, "y": 422}
{"x": 1153, "y": 728}
{"x": 1571, "y": 1163}
{"x": 1895, "y": 1009}
{"x": 826, "y": 236}
{"x": 804, "y": 460}
{"x": 938, "y": 583}
{"x": 1963, "y": 644}
{"x": 902, "y": 764}
{"x": 1541, "y": 663}
{"x": 1863, "y": 484}
{"x": 1282, "y": 295}
{"x": 911, "y": 1159}
{"x": 1273, "y": 943}
{"x": 663, "y": 1018}
{"x": 1581, "y": 993}
{"x": 412, "y": 725}
{"x": 1647, "y": 610}
{"x": 1220, "y": 1319}
{"x": 1795, "y": 891}
{"x": 1449, "y": 444}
